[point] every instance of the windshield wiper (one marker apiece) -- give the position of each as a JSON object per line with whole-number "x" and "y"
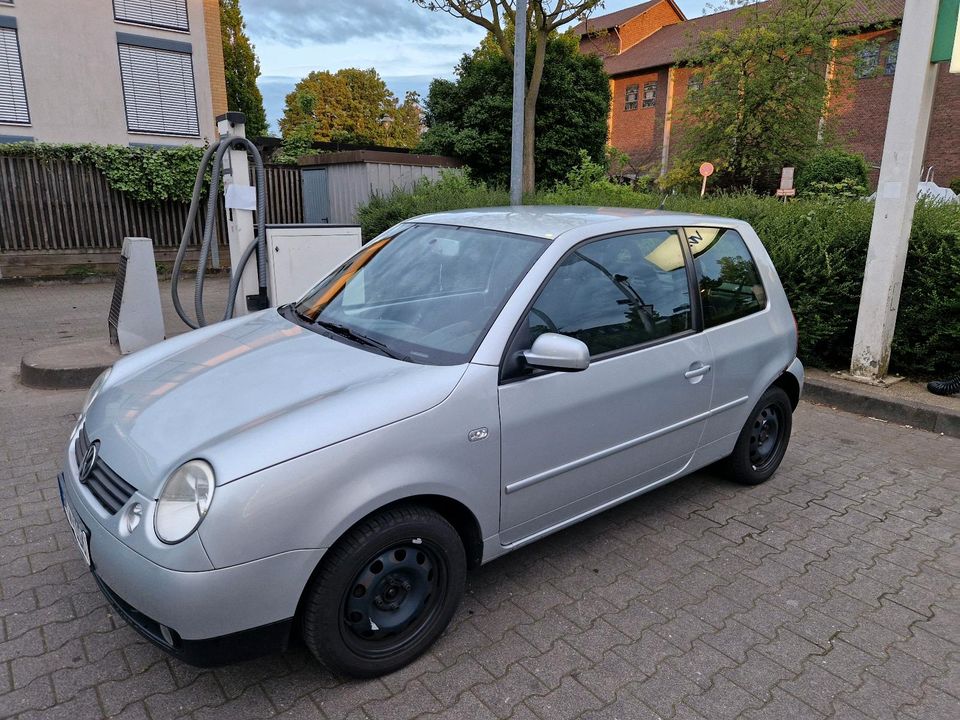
{"x": 350, "y": 334}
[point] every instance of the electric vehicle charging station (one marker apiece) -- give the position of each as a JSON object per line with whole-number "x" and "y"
{"x": 289, "y": 258}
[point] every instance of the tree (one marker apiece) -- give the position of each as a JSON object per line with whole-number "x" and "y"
{"x": 764, "y": 88}
{"x": 497, "y": 17}
{"x": 470, "y": 117}
{"x": 241, "y": 69}
{"x": 352, "y": 106}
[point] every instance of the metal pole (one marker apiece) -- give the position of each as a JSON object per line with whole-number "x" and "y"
{"x": 519, "y": 95}
{"x": 911, "y": 106}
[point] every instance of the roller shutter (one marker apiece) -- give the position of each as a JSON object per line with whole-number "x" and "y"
{"x": 158, "y": 90}
{"x": 13, "y": 93}
{"x": 159, "y": 13}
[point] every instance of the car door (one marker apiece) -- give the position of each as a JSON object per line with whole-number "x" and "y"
{"x": 745, "y": 337}
{"x": 574, "y": 441}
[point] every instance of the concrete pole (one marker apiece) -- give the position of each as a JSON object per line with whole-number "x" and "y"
{"x": 236, "y": 171}
{"x": 900, "y": 169}
{"x": 519, "y": 96}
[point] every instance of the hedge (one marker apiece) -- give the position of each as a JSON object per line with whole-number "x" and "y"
{"x": 818, "y": 247}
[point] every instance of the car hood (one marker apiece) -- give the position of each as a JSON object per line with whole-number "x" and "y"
{"x": 247, "y": 394}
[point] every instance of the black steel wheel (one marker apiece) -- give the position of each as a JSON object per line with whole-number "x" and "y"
{"x": 763, "y": 440}
{"x": 384, "y": 592}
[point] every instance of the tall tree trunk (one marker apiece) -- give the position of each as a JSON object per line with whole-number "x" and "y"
{"x": 530, "y": 113}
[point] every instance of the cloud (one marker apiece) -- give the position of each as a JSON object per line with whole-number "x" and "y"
{"x": 303, "y": 22}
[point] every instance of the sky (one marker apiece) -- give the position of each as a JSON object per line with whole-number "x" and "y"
{"x": 408, "y": 46}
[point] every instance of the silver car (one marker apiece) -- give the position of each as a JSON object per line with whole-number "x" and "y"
{"x": 465, "y": 384}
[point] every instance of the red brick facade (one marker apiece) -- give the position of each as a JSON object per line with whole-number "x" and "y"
{"x": 857, "y": 114}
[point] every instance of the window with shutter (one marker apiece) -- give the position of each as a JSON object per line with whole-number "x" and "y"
{"x": 13, "y": 92}
{"x": 158, "y": 90}
{"x": 159, "y": 13}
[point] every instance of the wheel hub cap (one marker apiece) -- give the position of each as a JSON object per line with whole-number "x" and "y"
{"x": 765, "y": 436}
{"x": 391, "y": 592}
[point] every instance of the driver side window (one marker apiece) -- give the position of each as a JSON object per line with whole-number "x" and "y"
{"x": 617, "y": 292}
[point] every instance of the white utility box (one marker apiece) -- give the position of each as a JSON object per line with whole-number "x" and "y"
{"x": 302, "y": 255}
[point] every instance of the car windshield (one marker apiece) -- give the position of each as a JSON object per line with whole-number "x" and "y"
{"x": 426, "y": 294}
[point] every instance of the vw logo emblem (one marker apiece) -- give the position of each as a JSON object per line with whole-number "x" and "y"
{"x": 89, "y": 460}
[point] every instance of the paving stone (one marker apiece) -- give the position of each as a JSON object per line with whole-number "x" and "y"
{"x": 568, "y": 701}
{"x": 834, "y": 588}
{"x": 722, "y": 700}
{"x": 447, "y": 685}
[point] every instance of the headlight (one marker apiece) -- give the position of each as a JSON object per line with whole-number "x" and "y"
{"x": 94, "y": 391}
{"x": 184, "y": 501}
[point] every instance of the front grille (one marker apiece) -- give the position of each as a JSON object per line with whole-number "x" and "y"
{"x": 110, "y": 490}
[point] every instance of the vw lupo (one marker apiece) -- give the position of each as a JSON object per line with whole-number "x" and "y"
{"x": 467, "y": 383}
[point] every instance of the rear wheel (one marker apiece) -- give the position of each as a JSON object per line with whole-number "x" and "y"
{"x": 385, "y": 592}
{"x": 763, "y": 439}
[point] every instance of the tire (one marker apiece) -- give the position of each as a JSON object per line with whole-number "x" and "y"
{"x": 384, "y": 592}
{"x": 763, "y": 439}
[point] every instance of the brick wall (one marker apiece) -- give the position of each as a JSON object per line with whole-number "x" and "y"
{"x": 943, "y": 143}
{"x": 857, "y": 115}
{"x": 639, "y": 133}
{"x": 858, "y": 108}
{"x": 218, "y": 83}
{"x": 647, "y": 23}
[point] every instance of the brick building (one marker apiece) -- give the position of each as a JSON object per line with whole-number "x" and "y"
{"x": 640, "y": 44}
{"x": 111, "y": 71}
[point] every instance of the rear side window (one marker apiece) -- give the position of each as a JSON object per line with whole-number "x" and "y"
{"x": 730, "y": 285}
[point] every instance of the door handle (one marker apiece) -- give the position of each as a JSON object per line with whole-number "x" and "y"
{"x": 697, "y": 372}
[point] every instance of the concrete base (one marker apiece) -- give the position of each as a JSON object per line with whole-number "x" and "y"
{"x": 885, "y": 381}
{"x": 75, "y": 365}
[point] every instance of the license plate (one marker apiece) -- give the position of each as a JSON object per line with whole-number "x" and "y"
{"x": 80, "y": 532}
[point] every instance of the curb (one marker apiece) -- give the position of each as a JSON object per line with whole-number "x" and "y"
{"x": 839, "y": 394}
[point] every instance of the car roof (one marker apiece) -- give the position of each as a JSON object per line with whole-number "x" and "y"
{"x": 551, "y": 221}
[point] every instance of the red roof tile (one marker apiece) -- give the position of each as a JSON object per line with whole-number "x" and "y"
{"x": 612, "y": 20}
{"x": 662, "y": 46}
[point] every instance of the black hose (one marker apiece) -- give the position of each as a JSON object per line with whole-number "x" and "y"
{"x": 188, "y": 233}
{"x": 217, "y": 151}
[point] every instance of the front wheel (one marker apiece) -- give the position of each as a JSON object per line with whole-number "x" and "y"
{"x": 763, "y": 439}
{"x": 385, "y": 591}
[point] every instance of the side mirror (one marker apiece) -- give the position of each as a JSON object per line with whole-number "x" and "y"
{"x": 553, "y": 351}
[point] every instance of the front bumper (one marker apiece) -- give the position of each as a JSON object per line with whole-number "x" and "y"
{"x": 243, "y": 645}
{"x": 206, "y": 616}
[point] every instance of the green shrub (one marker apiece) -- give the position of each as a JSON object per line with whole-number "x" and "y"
{"x": 843, "y": 190}
{"x": 955, "y": 185}
{"x": 818, "y": 246}
{"x": 833, "y": 166}
{"x": 454, "y": 190}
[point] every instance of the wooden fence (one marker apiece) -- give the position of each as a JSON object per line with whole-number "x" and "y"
{"x": 56, "y": 215}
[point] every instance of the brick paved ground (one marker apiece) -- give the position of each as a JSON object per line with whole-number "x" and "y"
{"x": 832, "y": 590}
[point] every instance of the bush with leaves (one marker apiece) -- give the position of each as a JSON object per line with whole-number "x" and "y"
{"x": 840, "y": 191}
{"x": 955, "y": 185}
{"x": 819, "y": 249}
{"x": 146, "y": 174}
{"x": 455, "y": 189}
{"x": 831, "y": 167}
{"x": 470, "y": 117}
